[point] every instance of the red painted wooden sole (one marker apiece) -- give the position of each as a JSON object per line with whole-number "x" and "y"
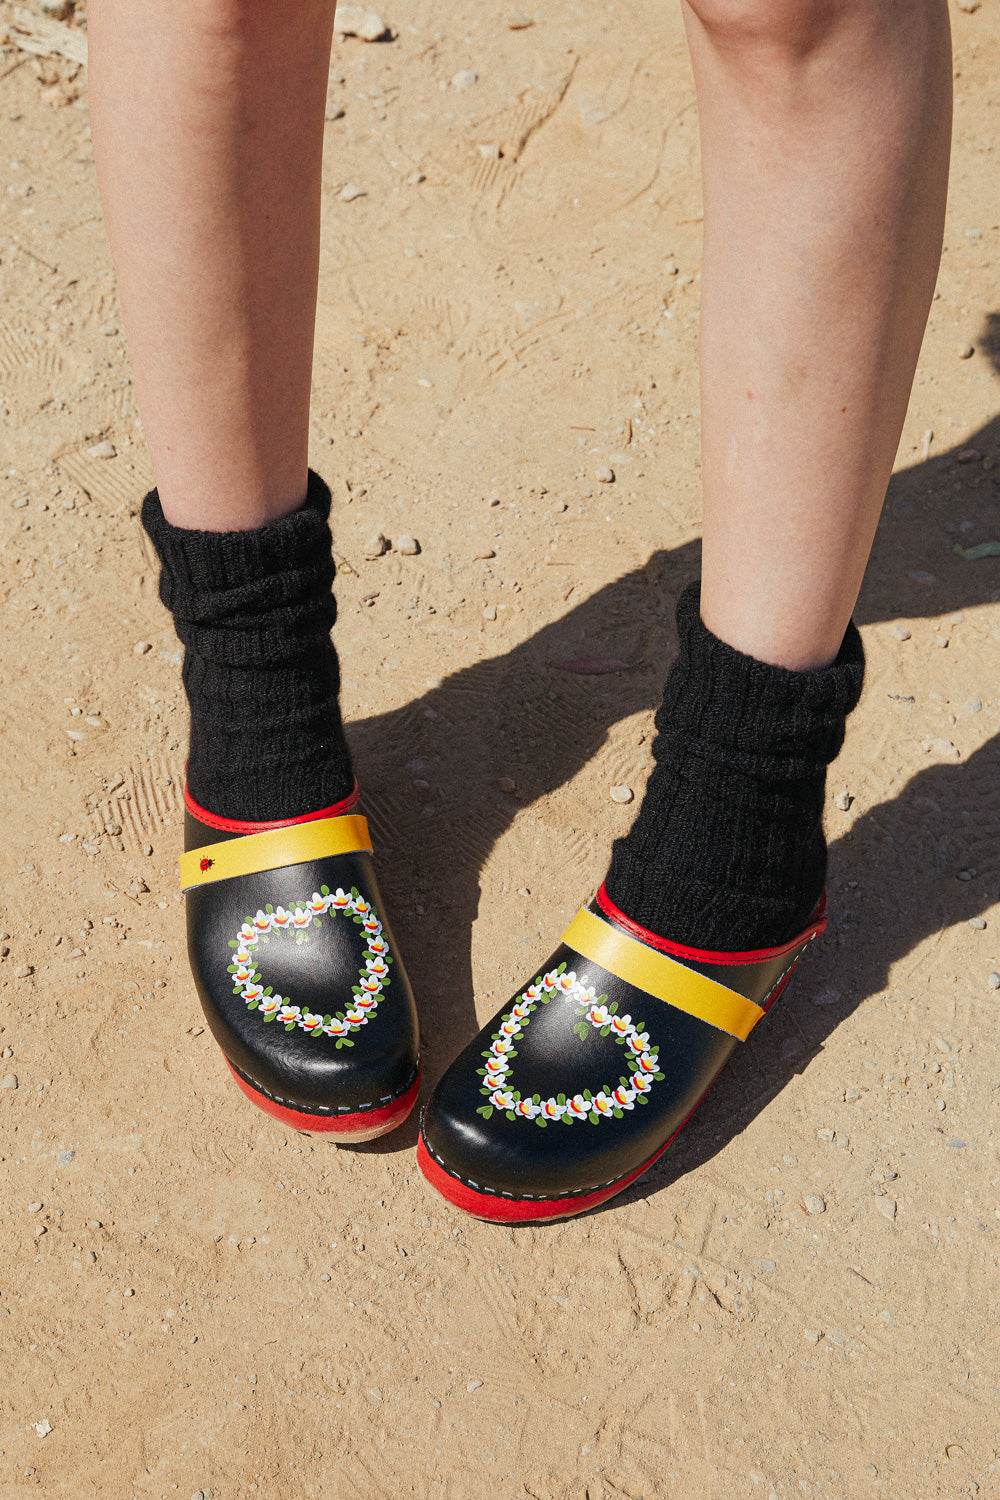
{"x": 351, "y": 1129}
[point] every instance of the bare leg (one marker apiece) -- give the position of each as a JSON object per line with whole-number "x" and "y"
{"x": 208, "y": 135}
{"x": 825, "y": 136}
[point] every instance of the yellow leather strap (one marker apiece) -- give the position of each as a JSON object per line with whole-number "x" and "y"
{"x": 659, "y": 975}
{"x": 254, "y": 852}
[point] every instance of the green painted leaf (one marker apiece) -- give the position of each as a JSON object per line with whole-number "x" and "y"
{"x": 560, "y": 1098}
{"x": 485, "y": 1110}
{"x": 617, "y": 1113}
{"x": 980, "y": 550}
{"x": 594, "y": 1118}
{"x": 324, "y": 890}
{"x": 269, "y": 991}
{"x": 269, "y": 909}
{"x": 561, "y": 967}
{"x": 540, "y": 1121}
{"x": 290, "y": 1026}
{"x": 605, "y": 1031}
{"x": 510, "y": 1114}
{"x": 251, "y": 1005}
{"x": 233, "y": 943}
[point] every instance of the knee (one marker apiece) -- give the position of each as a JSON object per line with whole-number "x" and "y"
{"x": 784, "y": 27}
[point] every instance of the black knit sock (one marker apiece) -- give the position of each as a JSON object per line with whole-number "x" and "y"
{"x": 254, "y": 610}
{"x": 727, "y": 851}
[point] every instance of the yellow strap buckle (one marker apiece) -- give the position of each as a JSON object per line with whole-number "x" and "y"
{"x": 255, "y": 852}
{"x": 661, "y": 976}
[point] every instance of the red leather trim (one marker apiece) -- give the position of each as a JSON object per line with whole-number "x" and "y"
{"x": 363, "y": 1126}
{"x": 236, "y": 825}
{"x": 817, "y": 924}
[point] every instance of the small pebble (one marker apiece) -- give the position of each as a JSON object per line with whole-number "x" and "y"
{"x": 972, "y": 706}
{"x": 993, "y": 981}
{"x": 141, "y": 647}
{"x": 147, "y": 849}
{"x": 965, "y": 351}
{"x": 979, "y": 923}
{"x": 350, "y": 191}
{"x": 604, "y": 475}
{"x": 886, "y": 1207}
{"x": 843, "y": 800}
{"x": 490, "y": 612}
{"x": 408, "y": 546}
{"x": 10, "y": 1082}
{"x": 519, "y": 22}
{"x": 507, "y": 784}
{"x": 354, "y": 20}
{"x": 941, "y": 747}
{"x": 23, "y": 971}
{"x": 622, "y": 794}
{"x": 43, "y": 1428}
{"x": 524, "y": 890}
{"x": 416, "y": 178}
{"x": 826, "y": 996}
{"x": 901, "y": 633}
{"x": 102, "y": 450}
{"x": 20, "y": 502}
{"x": 325, "y": 1276}
{"x": 92, "y": 1257}
{"x": 473, "y": 1385}
{"x": 64, "y": 1158}
{"x": 35, "y": 1208}
{"x": 814, "y": 1203}
{"x": 464, "y": 79}
{"x": 376, "y": 546}
{"x": 9, "y": 1051}
{"x": 484, "y": 554}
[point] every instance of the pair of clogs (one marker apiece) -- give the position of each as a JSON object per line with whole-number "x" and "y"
{"x": 561, "y": 1101}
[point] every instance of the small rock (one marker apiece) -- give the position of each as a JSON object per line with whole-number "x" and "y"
{"x": 851, "y": 1096}
{"x": 43, "y": 1428}
{"x": 813, "y": 1203}
{"x": 334, "y": 111}
{"x": 507, "y": 784}
{"x": 604, "y": 475}
{"x": 965, "y": 351}
{"x": 489, "y": 151}
{"x": 350, "y": 191}
{"x": 416, "y": 178}
{"x": 354, "y": 20}
{"x": 966, "y": 875}
{"x": 64, "y": 1158}
{"x": 826, "y": 996}
{"x": 10, "y": 1082}
{"x": 993, "y": 982}
{"x": 20, "y": 502}
{"x": 465, "y": 78}
{"x": 519, "y": 22}
{"x": 941, "y": 747}
{"x": 969, "y": 456}
{"x": 524, "y": 890}
{"x": 23, "y": 971}
{"x": 141, "y": 647}
{"x": 129, "y": 1291}
{"x": 147, "y": 849}
{"x": 490, "y": 612}
{"x": 376, "y": 546}
{"x": 408, "y": 546}
{"x": 92, "y": 1257}
{"x": 843, "y": 800}
{"x": 972, "y": 706}
{"x": 102, "y": 450}
{"x": 979, "y": 923}
{"x": 473, "y": 1385}
{"x": 35, "y": 1208}
{"x": 812, "y": 1335}
{"x": 9, "y": 1051}
{"x": 901, "y": 633}
{"x": 886, "y": 1207}
{"x": 622, "y": 794}
{"x": 969, "y": 6}
{"x": 484, "y": 554}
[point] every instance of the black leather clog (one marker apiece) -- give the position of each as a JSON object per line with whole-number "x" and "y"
{"x": 298, "y": 974}
{"x": 586, "y": 1076}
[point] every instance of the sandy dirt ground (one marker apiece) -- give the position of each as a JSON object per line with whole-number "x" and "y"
{"x": 195, "y": 1302}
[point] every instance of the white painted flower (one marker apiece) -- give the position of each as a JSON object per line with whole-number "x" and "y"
{"x": 317, "y": 903}
{"x": 638, "y": 1041}
{"x": 502, "y": 1099}
{"x": 302, "y": 917}
{"x": 242, "y": 956}
{"x": 370, "y": 983}
{"x": 247, "y": 933}
{"x": 280, "y": 918}
{"x": 510, "y": 1028}
{"x": 518, "y": 1012}
{"x": 340, "y": 900}
{"x": 528, "y": 1108}
{"x": 269, "y": 1005}
{"x": 648, "y": 1061}
{"x": 252, "y": 992}
{"x": 602, "y": 1104}
{"x": 623, "y": 1097}
{"x": 551, "y": 1110}
{"x": 500, "y": 1046}
{"x": 550, "y": 980}
{"x": 356, "y": 1017}
{"x": 372, "y": 924}
{"x": 262, "y": 922}
{"x": 578, "y": 1107}
{"x": 598, "y": 1015}
{"x": 566, "y": 982}
{"x": 532, "y": 993}
{"x": 310, "y": 1022}
{"x": 361, "y": 906}
{"x": 334, "y": 1027}
{"x": 366, "y": 1002}
{"x": 377, "y": 946}
{"x": 621, "y": 1024}
{"x": 377, "y": 966}
{"x": 641, "y": 1084}
{"x": 243, "y": 973}
{"x": 288, "y": 1014}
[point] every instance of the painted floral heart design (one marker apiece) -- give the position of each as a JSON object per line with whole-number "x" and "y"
{"x": 607, "y": 1103}
{"x": 373, "y": 978}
